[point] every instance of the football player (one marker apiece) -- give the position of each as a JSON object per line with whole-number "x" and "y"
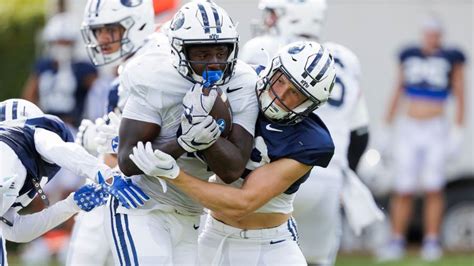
{"x": 200, "y": 42}
{"x": 113, "y": 32}
{"x": 345, "y": 114}
{"x": 34, "y": 147}
{"x": 428, "y": 75}
{"x": 251, "y": 221}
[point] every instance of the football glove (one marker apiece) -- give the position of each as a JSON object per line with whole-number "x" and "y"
{"x": 200, "y": 136}
{"x": 107, "y": 137}
{"x": 197, "y": 105}
{"x": 90, "y": 196}
{"x": 154, "y": 163}
{"x": 122, "y": 188}
{"x": 86, "y": 136}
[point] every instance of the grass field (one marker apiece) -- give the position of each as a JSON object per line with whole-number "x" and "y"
{"x": 464, "y": 259}
{"x": 458, "y": 259}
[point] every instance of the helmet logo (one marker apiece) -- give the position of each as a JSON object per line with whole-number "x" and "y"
{"x": 296, "y": 49}
{"x": 131, "y": 3}
{"x": 178, "y": 21}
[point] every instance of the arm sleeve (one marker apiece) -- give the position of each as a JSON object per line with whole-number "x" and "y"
{"x": 67, "y": 154}
{"x": 245, "y": 105}
{"x": 28, "y": 227}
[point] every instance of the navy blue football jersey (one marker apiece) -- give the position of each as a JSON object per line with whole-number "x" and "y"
{"x": 21, "y": 140}
{"x": 113, "y": 97}
{"x": 308, "y": 142}
{"x": 63, "y": 94}
{"x": 429, "y": 76}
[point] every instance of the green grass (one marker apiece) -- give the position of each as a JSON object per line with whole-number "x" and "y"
{"x": 464, "y": 259}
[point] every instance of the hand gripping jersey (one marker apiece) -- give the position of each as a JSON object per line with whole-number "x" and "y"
{"x": 156, "y": 93}
{"x": 429, "y": 76}
{"x": 308, "y": 142}
{"x": 19, "y": 136}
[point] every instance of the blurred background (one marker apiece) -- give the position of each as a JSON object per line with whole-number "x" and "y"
{"x": 376, "y": 30}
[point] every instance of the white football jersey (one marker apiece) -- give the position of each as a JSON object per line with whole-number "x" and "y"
{"x": 156, "y": 93}
{"x": 345, "y": 109}
{"x": 340, "y": 112}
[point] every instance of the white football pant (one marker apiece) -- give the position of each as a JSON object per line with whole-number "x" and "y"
{"x": 221, "y": 244}
{"x": 151, "y": 237}
{"x": 317, "y": 210}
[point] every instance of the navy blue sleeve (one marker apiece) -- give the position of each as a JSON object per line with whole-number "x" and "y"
{"x": 42, "y": 65}
{"x": 316, "y": 146}
{"x": 113, "y": 98}
{"x": 458, "y": 56}
{"x": 83, "y": 69}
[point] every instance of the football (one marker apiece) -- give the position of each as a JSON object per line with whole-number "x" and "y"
{"x": 221, "y": 111}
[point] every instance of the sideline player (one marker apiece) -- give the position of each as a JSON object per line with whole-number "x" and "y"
{"x": 201, "y": 39}
{"x": 428, "y": 74}
{"x": 251, "y": 221}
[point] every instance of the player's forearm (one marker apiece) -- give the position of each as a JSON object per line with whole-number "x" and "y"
{"x": 225, "y": 160}
{"x": 230, "y": 201}
{"x": 28, "y": 227}
{"x": 458, "y": 91}
{"x": 68, "y": 155}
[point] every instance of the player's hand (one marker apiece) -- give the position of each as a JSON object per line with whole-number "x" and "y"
{"x": 107, "y": 137}
{"x": 197, "y": 105}
{"x": 154, "y": 162}
{"x": 90, "y": 196}
{"x": 86, "y": 136}
{"x": 200, "y": 136}
{"x": 122, "y": 188}
{"x": 454, "y": 145}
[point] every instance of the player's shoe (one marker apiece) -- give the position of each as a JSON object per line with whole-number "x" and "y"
{"x": 392, "y": 251}
{"x": 431, "y": 250}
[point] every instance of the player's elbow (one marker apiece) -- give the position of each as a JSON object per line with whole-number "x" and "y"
{"x": 241, "y": 209}
{"x": 125, "y": 164}
{"x": 232, "y": 173}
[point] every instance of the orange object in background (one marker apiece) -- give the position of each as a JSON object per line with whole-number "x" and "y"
{"x": 161, "y": 6}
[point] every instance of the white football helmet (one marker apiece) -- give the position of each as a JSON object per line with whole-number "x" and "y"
{"x": 201, "y": 23}
{"x": 135, "y": 16}
{"x": 296, "y": 18}
{"x": 13, "y": 109}
{"x": 310, "y": 67}
{"x": 60, "y": 27}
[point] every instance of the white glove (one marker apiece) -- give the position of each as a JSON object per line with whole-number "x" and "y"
{"x": 456, "y": 136}
{"x": 359, "y": 204}
{"x": 87, "y": 132}
{"x": 198, "y": 105}
{"x": 154, "y": 163}
{"x": 199, "y": 136}
{"x": 107, "y": 138}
